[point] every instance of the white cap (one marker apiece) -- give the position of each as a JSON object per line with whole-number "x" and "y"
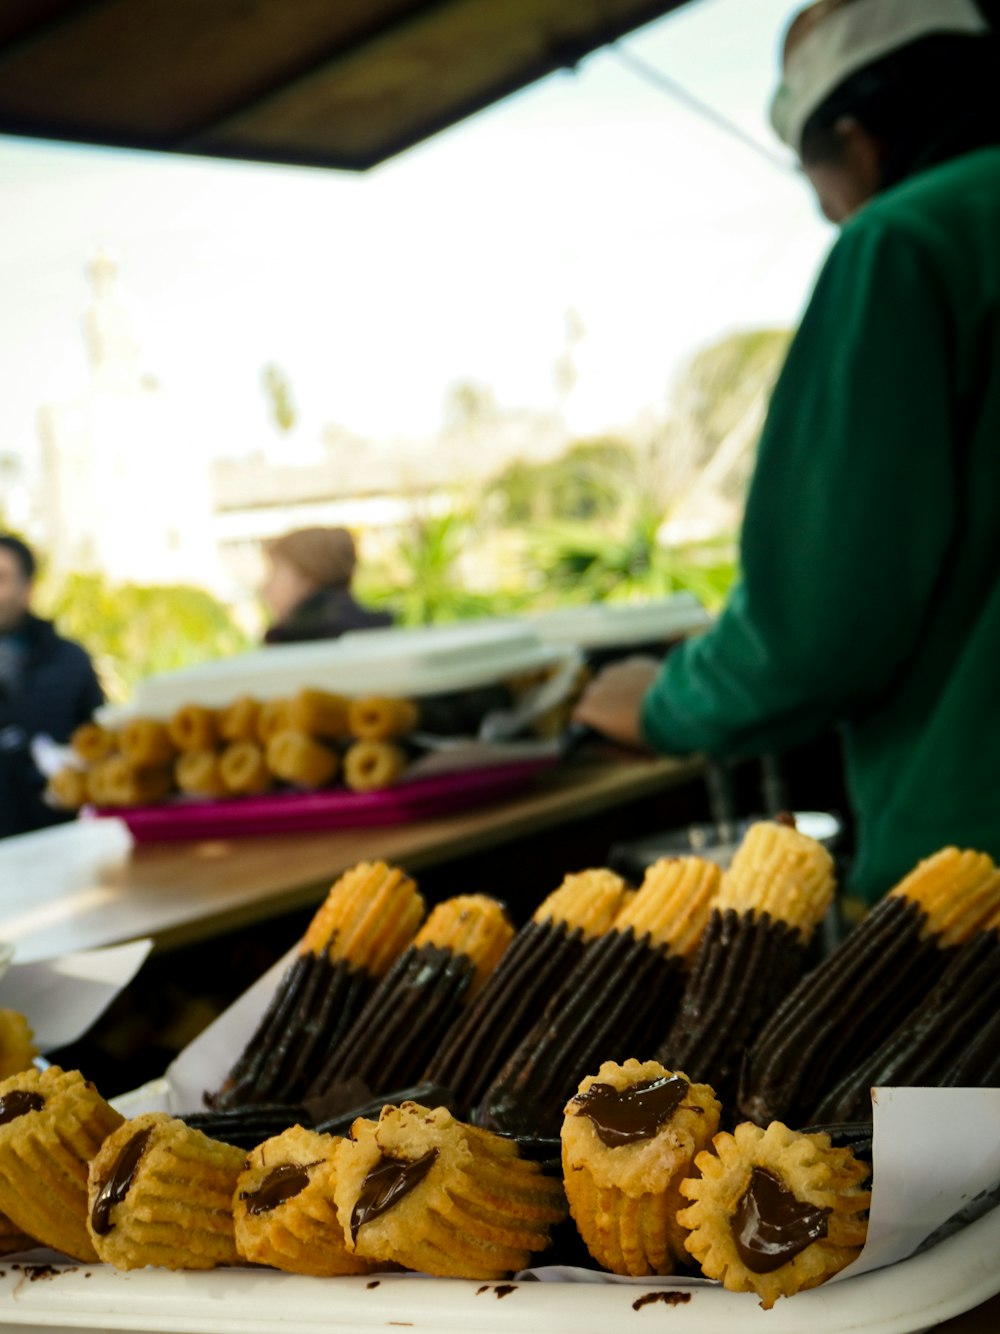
{"x": 850, "y": 37}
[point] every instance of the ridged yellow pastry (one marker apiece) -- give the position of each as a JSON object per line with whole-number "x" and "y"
{"x": 471, "y": 925}
{"x": 12, "y": 1239}
{"x": 588, "y": 901}
{"x": 243, "y": 769}
{"x": 782, "y": 872}
{"x": 370, "y": 766}
{"x": 68, "y": 789}
{"x": 375, "y": 718}
{"x": 420, "y": 1189}
{"x": 774, "y": 1211}
{"x": 17, "y": 1044}
{"x": 52, "y": 1123}
{"x": 238, "y": 721}
{"x": 194, "y": 727}
{"x": 296, "y": 758}
{"x": 959, "y": 891}
{"x": 145, "y": 744}
{"x": 673, "y": 903}
{"x": 368, "y": 918}
{"x": 273, "y": 716}
{"x": 92, "y": 742}
{"x": 629, "y": 1137}
{"x": 284, "y": 1210}
{"x": 161, "y": 1193}
{"x": 319, "y": 713}
{"x": 198, "y": 773}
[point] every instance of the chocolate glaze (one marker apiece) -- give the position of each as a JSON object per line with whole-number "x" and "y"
{"x": 281, "y": 1184}
{"x": 19, "y": 1102}
{"x": 385, "y": 1185}
{"x": 117, "y": 1185}
{"x": 623, "y": 1116}
{"x": 771, "y": 1227}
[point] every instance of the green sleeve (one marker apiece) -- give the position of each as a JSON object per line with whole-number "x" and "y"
{"x": 848, "y": 520}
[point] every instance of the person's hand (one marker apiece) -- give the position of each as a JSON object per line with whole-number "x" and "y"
{"x": 612, "y": 702}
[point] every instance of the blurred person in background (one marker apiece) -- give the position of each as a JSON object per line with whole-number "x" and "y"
{"x": 48, "y": 687}
{"x": 870, "y": 588}
{"x": 307, "y": 590}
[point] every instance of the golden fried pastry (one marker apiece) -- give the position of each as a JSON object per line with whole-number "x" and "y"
{"x": 198, "y": 773}
{"x": 319, "y": 713}
{"x": 773, "y": 1211}
{"x": 121, "y": 785}
{"x": 17, "y": 1046}
{"x": 296, "y": 758}
{"x": 753, "y": 951}
{"x": 12, "y": 1239}
{"x": 893, "y": 956}
{"x": 377, "y": 719}
{"x": 52, "y": 1123}
{"x": 68, "y": 788}
{"x": 274, "y": 716}
{"x": 284, "y": 1211}
{"x": 145, "y": 744}
{"x": 161, "y": 1193}
{"x": 629, "y": 1138}
{"x": 372, "y": 765}
{"x": 368, "y": 919}
{"x": 414, "y": 1005}
{"x": 96, "y": 780}
{"x": 238, "y": 722}
{"x": 243, "y": 769}
{"x": 614, "y": 1002}
{"x": 420, "y": 1189}
{"x": 194, "y": 728}
{"x": 513, "y": 998}
{"x": 92, "y": 742}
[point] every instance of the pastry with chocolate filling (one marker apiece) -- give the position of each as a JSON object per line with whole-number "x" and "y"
{"x": 243, "y": 769}
{"x": 160, "y": 1193}
{"x": 415, "y": 1004}
{"x": 773, "y": 1212}
{"x": 194, "y": 727}
{"x": 538, "y": 960}
{"x": 618, "y": 1000}
{"x": 238, "y": 721}
{"x": 771, "y": 899}
{"x": 12, "y": 1239}
{"x": 17, "y": 1044}
{"x": 420, "y": 1189}
{"x": 377, "y": 719}
{"x": 52, "y": 1123}
{"x": 123, "y": 785}
{"x": 839, "y": 1014}
{"x": 145, "y": 744}
{"x": 319, "y": 713}
{"x": 296, "y": 758}
{"x": 198, "y": 773}
{"x": 68, "y": 789}
{"x": 369, "y": 917}
{"x": 370, "y": 766}
{"x": 629, "y": 1138}
{"x": 92, "y": 742}
{"x": 284, "y": 1211}
{"x": 950, "y": 1040}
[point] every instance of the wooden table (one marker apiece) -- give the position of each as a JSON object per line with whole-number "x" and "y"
{"x": 179, "y": 893}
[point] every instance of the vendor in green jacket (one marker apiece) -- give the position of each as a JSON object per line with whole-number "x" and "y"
{"x": 870, "y": 589}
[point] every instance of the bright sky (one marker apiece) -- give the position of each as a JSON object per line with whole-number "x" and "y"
{"x": 460, "y": 259}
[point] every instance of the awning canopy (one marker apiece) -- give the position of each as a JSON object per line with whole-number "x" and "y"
{"x": 331, "y": 83}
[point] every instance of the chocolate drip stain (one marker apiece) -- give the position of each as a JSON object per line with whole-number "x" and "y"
{"x": 385, "y": 1185}
{"x": 118, "y": 1183}
{"x": 624, "y": 1116}
{"x": 19, "y": 1102}
{"x": 668, "y": 1299}
{"x": 771, "y": 1227}
{"x": 281, "y": 1184}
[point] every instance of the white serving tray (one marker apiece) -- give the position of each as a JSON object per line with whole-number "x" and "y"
{"x": 391, "y": 661}
{"x": 607, "y": 624}
{"x": 915, "y": 1295}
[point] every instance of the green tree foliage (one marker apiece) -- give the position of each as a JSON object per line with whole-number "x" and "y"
{"x": 584, "y": 483}
{"x": 133, "y": 630}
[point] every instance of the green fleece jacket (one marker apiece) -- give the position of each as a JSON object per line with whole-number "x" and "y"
{"x": 870, "y": 593}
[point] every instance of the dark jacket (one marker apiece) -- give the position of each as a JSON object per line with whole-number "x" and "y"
{"x": 326, "y": 614}
{"x": 57, "y": 691}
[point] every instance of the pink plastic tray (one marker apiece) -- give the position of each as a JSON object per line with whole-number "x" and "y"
{"x": 298, "y": 812}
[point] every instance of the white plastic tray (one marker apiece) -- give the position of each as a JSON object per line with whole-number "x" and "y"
{"x": 391, "y": 662}
{"x": 606, "y": 624}
{"x": 955, "y": 1276}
